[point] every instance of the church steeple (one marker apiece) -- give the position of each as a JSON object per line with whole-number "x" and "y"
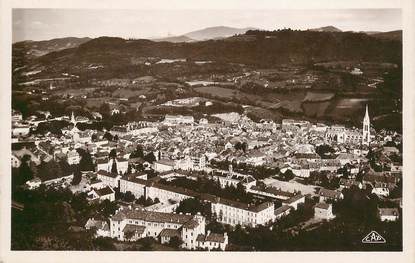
{"x": 366, "y": 128}
{"x": 73, "y": 121}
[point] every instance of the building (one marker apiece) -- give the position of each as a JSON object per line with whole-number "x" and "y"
{"x": 108, "y": 178}
{"x": 20, "y": 130}
{"x": 101, "y": 228}
{"x": 237, "y": 213}
{"x": 73, "y": 157}
{"x": 163, "y": 165}
{"x": 329, "y": 195}
{"x": 107, "y": 163}
{"x": 105, "y": 193}
{"x": 178, "y": 119}
{"x": 212, "y": 241}
{"x": 294, "y": 201}
{"x": 282, "y": 211}
{"x": 388, "y": 214}
{"x": 154, "y": 224}
{"x": 133, "y": 184}
{"x": 366, "y": 128}
{"x": 323, "y": 211}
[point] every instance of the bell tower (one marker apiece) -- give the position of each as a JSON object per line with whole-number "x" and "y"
{"x": 366, "y": 128}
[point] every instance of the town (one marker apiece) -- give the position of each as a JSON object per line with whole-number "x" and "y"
{"x": 193, "y": 183}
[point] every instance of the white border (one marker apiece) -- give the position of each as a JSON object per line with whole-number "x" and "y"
{"x": 409, "y": 135}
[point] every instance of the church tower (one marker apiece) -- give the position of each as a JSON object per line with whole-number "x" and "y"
{"x": 366, "y": 128}
{"x": 73, "y": 121}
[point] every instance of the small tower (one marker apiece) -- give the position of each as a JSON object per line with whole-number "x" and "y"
{"x": 366, "y": 128}
{"x": 73, "y": 121}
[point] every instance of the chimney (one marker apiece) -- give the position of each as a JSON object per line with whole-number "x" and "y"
{"x": 208, "y": 233}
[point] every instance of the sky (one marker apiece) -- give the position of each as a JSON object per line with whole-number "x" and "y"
{"x": 44, "y": 24}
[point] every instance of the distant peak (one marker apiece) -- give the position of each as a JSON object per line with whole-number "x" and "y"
{"x": 326, "y": 29}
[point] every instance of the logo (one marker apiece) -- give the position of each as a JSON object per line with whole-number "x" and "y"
{"x": 374, "y": 238}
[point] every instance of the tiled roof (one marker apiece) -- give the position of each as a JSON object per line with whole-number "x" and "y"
{"x": 191, "y": 224}
{"x": 134, "y": 228}
{"x": 281, "y": 209}
{"x": 104, "y": 191}
{"x": 168, "y": 232}
{"x": 151, "y": 216}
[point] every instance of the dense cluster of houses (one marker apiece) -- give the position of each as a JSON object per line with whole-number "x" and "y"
{"x": 179, "y": 144}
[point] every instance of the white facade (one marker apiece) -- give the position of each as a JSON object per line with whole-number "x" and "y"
{"x": 242, "y": 214}
{"x": 366, "y": 128}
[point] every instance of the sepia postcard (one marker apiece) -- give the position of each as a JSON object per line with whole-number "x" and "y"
{"x": 221, "y": 131}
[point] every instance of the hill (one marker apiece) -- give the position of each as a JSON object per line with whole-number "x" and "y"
{"x": 174, "y": 39}
{"x": 216, "y": 32}
{"x": 40, "y": 48}
{"x": 391, "y": 35}
{"x": 326, "y": 29}
{"x": 267, "y": 49}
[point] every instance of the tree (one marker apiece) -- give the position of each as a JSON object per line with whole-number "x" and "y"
{"x": 175, "y": 242}
{"x": 325, "y": 151}
{"x": 137, "y": 153}
{"x": 129, "y": 197}
{"x": 86, "y": 163}
{"x": 77, "y": 177}
{"x": 113, "y": 154}
{"x": 108, "y": 136}
{"x": 114, "y": 167}
{"x": 150, "y": 157}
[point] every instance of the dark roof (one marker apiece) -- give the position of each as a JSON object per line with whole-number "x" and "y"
{"x": 104, "y": 191}
{"x": 329, "y": 193}
{"x": 167, "y": 232}
{"x": 151, "y": 216}
{"x": 212, "y": 237}
{"x": 322, "y": 206}
{"x": 134, "y": 228}
{"x": 281, "y": 209}
{"x": 294, "y": 198}
{"x": 191, "y": 224}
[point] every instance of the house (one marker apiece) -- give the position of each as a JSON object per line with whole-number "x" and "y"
{"x": 151, "y": 224}
{"x": 323, "y": 211}
{"x": 329, "y": 195}
{"x": 101, "y": 228}
{"x": 178, "y": 119}
{"x": 234, "y": 213}
{"x": 106, "y": 164}
{"x": 167, "y": 234}
{"x": 73, "y": 157}
{"x": 133, "y": 232}
{"x": 380, "y": 189}
{"x": 212, "y": 241}
{"x": 282, "y": 211}
{"x": 294, "y": 201}
{"x": 133, "y": 184}
{"x": 388, "y": 214}
{"x": 33, "y": 183}
{"x": 106, "y": 193}
{"x": 347, "y": 183}
{"x": 108, "y": 178}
